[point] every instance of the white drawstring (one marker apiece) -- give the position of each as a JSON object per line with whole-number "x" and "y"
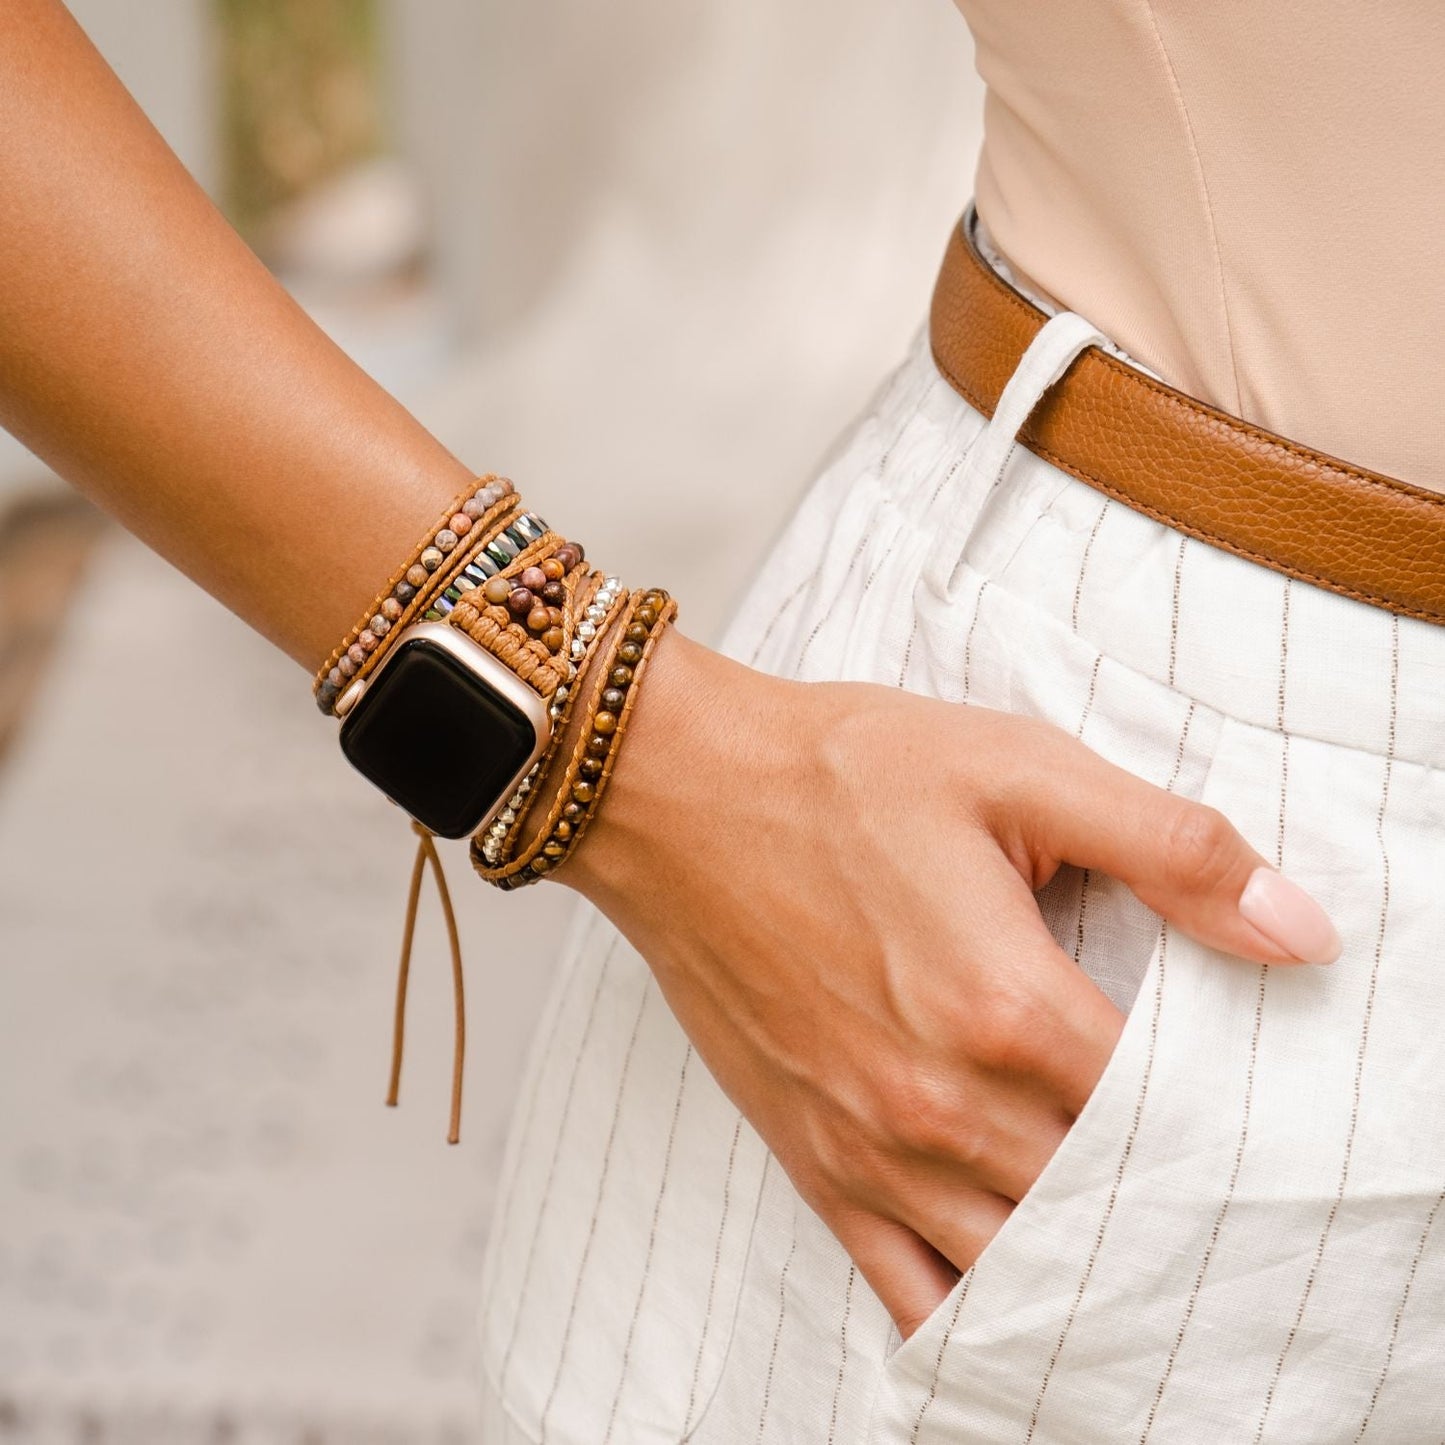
{"x": 1049, "y": 355}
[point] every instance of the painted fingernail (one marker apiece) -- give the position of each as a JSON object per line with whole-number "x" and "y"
{"x": 1289, "y": 917}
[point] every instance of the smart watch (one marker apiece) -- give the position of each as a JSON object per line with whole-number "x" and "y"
{"x": 444, "y": 729}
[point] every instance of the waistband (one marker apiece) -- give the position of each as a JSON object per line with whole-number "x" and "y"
{"x": 1188, "y": 465}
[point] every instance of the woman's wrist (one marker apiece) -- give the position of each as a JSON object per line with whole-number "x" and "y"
{"x": 685, "y": 729}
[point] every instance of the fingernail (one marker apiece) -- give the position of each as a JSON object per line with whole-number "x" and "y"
{"x": 1289, "y": 917}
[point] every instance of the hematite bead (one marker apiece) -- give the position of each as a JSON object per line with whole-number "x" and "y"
{"x": 613, "y": 698}
{"x": 583, "y": 792}
{"x": 620, "y": 675}
{"x": 516, "y": 537}
{"x": 444, "y": 605}
{"x": 498, "y": 553}
{"x": 483, "y": 564}
{"x": 605, "y": 723}
{"x": 630, "y": 652}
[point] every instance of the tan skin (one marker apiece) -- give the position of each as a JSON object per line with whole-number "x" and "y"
{"x": 912, "y": 1054}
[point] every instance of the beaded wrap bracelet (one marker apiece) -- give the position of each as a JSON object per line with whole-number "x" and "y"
{"x": 499, "y": 842}
{"x": 483, "y": 509}
{"x": 580, "y": 792}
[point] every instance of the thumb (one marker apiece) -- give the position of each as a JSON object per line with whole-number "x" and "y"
{"x": 1185, "y": 860}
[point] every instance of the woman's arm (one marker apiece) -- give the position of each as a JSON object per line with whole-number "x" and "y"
{"x": 155, "y": 363}
{"x": 831, "y": 881}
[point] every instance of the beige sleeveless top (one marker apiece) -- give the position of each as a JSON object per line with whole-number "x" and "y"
{"x": 1247, "y": 195}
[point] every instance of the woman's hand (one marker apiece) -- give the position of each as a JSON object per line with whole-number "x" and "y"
{"x": 833, "y": 884}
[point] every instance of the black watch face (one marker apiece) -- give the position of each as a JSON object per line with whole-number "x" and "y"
{"x": 436, "y": 739}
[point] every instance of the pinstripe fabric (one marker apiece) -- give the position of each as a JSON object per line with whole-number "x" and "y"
{"x": 1241, "y": 1236}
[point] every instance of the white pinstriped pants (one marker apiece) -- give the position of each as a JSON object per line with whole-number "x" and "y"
{"x": 1240, "y": 1238}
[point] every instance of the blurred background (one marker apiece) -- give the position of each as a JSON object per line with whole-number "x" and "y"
{"x": 650, "y": 253}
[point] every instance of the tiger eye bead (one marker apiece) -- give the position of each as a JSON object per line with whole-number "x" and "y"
{"x": 630, "y": 652}
{"x": 573, "y": 811}
{"x": 598, "y": 745}
{"x": 553, "y": 570}
{"x": 590, "y": 767}
{"x": 519, "y": 602}
{"x": 583, "y": 792}
{"x": 553, "y": 639}
{"x": 553, "y": 592}
{"x": 553, "y": 849}
{"x": 534, "y": 579}
{"x": 540, "y": 865}
{"x": 554, "y": 616}
{"x": 636, "y": 632}
{"x": 620, "y": 675}
{"x": 605, "y": 723}
{"x": 646, "y": 614}
{"x": 613, "y": 698}
{"x": 562, "y": 829}
{"x": 497, "y": 590}
{"x": 538, "y": 620}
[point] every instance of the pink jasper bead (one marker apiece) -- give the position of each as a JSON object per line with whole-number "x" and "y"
{"x": 346, "y": 667}
{"x": 367, "y": 642}
{"x": 356, "y": 653}
{"x": 391, "y": 609}
{"x": 461, "y": 524}
{"x": 473, "y": 508}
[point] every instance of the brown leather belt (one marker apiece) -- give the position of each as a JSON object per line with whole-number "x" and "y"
{"x": 1183, "y": 463}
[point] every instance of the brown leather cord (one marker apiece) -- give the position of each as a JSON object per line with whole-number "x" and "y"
{"x": 426, "y": 853}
